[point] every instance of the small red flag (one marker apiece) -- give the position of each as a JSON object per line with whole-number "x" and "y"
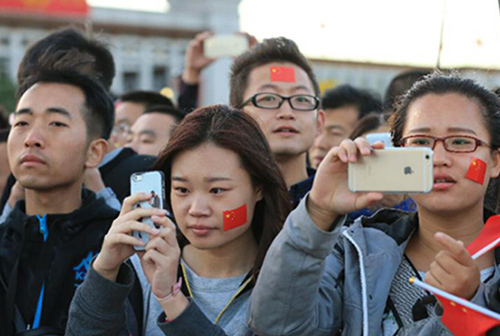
{"x": 476, "y": 171}
{"x": 234, "y": 218}
{"x": 461, "y": 317}
{"x": 489, "y": 237}
{"x": 282, "y": 74}
{"x": 465, "y": 321}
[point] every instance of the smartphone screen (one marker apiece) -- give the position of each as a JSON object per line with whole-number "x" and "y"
{"x": 153, "y": 183}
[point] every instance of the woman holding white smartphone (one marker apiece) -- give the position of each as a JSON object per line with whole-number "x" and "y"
{"x": 322, "y": 278}
{"x": 229, "y": 202}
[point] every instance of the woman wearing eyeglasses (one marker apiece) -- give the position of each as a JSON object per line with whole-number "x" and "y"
{"x": 323, "y": 278}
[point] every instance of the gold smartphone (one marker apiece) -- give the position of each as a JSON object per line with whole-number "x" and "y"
{"x": 393, "y": 171}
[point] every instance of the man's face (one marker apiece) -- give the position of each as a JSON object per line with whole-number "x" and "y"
{"x": 126, "y": 114}
{"x": 150, "y": 133}
{"x": 47, "y": 146}
{"x": 289, "y": 132}
{"x": 339, "y": 123}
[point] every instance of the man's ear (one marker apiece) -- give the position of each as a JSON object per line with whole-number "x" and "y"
{"x": 95, "y": 153}
{"x": 320, "y": 122}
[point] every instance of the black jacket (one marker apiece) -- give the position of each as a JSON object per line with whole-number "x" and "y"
{"x": 60, "y": 263}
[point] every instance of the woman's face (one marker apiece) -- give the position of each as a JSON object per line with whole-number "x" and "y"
{"x": 206, "y": 182}
{"x": 452, "y": 114}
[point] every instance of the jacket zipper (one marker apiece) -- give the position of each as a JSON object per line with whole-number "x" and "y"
{"x": 364, "y": 300}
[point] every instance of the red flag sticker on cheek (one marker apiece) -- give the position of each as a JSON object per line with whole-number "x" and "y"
{"x": 476, "y": 171}
{"x": 234, "y": 218}
{"x": 282, "y": 74}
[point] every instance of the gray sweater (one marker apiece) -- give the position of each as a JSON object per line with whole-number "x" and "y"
{"x": 323, "y": 283}
{"x": 100, "y": 307}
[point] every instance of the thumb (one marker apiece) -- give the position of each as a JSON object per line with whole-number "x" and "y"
{"x": 368, "y": 199}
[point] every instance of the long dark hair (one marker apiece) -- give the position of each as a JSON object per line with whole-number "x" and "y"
{"x": 234, "y": 130}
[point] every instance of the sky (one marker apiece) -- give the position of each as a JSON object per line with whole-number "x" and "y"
{"x": 375, "y": 31}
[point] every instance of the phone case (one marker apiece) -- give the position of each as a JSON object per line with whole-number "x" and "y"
{"x": 148, "y": 182}
{"x": 225, "y": 45}
{"x": 393, "y": 171}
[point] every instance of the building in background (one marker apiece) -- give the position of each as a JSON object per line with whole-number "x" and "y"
{"x": 148, "y": 47}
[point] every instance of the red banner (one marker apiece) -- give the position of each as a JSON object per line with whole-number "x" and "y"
{"x": 77, "y": 8}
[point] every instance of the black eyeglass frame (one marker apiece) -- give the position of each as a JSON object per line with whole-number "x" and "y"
{"x": 253, "y": 100}
{"x": 477, "y": 142}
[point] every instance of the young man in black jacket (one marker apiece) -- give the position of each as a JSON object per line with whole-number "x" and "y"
{"x": 47, "y": 242}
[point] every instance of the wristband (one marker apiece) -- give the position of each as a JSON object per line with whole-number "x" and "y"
{"x": 175, "y": 290}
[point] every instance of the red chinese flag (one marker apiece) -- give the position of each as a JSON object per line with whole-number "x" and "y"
{"x": 489, "y": 234}
{"x": 77, "y": 8}
{"x": 234, "y": 218}
{"x": 476, "y": 171}
{"x": 282, "y": 74}
{"x": 465, "y": 321}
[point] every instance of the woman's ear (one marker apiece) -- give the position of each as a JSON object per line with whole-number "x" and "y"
{"x": 95, "y": 153}
{"x": 259, "y": 193}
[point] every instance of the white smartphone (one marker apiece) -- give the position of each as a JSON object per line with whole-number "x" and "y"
{"x": 385, "y": 138}
{"x": 225, "y": 45}
{"x": 393, "y": 171}
{"x": 152, "y": 182}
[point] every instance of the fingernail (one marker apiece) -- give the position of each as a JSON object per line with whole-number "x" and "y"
{"x": 352, "y": 157}
{"x": 155, "y": 231}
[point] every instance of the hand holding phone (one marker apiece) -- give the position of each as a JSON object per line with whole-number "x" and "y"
{"x": 330, "y": 196}
{"x": 152, "y": 183}
{"x": 119, "y": 243}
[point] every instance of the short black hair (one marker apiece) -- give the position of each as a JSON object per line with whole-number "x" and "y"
{"x": 279, "y": 49}
{"x": 347, "y": 95}
{"x": 4, "y": 117}
{"x": 4, "y": 134}
{"x": 147, "y": 98}
{"x": 65, "y": 45}
{"x": 400, "y": 84}
{"x": 99, "y": 110}
{"x": 170, "y": 110}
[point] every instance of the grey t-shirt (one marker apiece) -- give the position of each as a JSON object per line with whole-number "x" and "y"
{"x": 210, "y": 294}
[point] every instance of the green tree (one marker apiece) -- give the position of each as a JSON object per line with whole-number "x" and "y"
{"x": 7, "y": 91}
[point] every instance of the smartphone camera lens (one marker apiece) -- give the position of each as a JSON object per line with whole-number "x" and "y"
{"x": 137, "y": 178}
{"x": 427, "y": 157}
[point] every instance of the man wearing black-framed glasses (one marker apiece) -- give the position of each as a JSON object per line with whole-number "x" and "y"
{"x": 274, "y": 83}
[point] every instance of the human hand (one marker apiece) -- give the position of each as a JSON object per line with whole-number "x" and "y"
{"x": 453, "y": 269}
{"x": 160, "y": 260}
{"x": 195, "y": 59}
{"x": 119, "y": 243}
{"x": 160, "y": 263}
{"x": 330, "y": 196}
{"x": 92, "y": 179}
{"x": 16, "y": 194}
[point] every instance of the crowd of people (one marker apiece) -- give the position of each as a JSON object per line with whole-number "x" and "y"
{"x": 260, "y": 234}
